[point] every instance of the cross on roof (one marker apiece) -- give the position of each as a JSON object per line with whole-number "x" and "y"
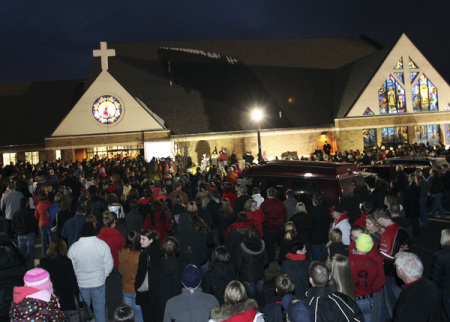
{"x": 104, "y": 53}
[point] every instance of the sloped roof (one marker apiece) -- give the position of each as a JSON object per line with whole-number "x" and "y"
{"x": 352, "y": 79}
{"x": 215, "y": 84}
{"x": 31, "y": 111}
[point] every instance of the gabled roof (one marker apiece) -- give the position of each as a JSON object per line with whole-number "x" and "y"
{"x": 31, "y": 111}
{"x": 211, "y": 86}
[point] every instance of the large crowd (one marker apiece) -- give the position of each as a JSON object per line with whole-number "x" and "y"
{"x": 147, "y": 241}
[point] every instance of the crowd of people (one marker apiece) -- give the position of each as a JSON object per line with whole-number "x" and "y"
{"x": 150, "y": 242}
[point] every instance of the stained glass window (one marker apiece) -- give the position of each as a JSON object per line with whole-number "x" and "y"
{"x": 394, "y": 134}
{"x": 391, "y": 97}
{"x": 424, "y": 95}
{"x": 412, "y": 64}
{"x": 428, "y": 134}
{"x": 400, "y": 76}
{"x": 413, "y": 76}
{"x": 399, "y": 64}
{"x": 370, "y": 138}
{"x": 447, "y": 108}
{"x": 447, "y": 133}
{"x": 107, "y": 109}
{"x": 368, "y": 111}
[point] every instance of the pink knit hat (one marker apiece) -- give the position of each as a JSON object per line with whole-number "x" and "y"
{"x": 38, "y": 278}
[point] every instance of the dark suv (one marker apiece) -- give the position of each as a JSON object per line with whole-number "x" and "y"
{"x": 13, "y": 267}
{"x": 306, "y": 178}
{"x": 386, "y": 168}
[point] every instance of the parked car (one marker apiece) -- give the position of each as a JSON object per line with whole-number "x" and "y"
{"x": 386, "y": 168}
{"x": 306, "y": 178}
{"x": 13, "y": 267}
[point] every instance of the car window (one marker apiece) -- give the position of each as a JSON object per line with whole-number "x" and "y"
{"x": 9, "y": 257}
{"x": 304, "y": 189}
{"x": 277, "y": 183}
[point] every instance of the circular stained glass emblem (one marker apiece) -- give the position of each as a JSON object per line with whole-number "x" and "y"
{"x": 107, "y": 109}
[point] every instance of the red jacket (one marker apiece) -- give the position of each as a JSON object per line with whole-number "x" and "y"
{"x": 160, "y": 225}
{"x": 41, "y": 212}
{"x": 257, "y": 216}
{"x": 367, "y": 275}
{"x": 115, "y": 241}
{"x": 275, "y": 213}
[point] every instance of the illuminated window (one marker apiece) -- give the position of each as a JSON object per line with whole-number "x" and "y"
{"x": 32, "y": 157}
{"x": 115, "y": 151}
{"x": 447, "y": 133}
{"x": 428, "y": 134}
{"x": 9, "y": 158}
{"x": 447, "y": 108}
{"x": 391, "y": 97}
{"x": 399, "y": 64}
{"x": 58, "y": 154}
{"x": 400, "y": 76}
{"x": 368, "y": 111}
{"x": 370, "y": 138}
{"x": 412, "y": 64}
{"x": 394, "y": 135}
{"x": 413, "y": 76}
{"x": 424, "y": 95}
{"x": 107, "y": 109}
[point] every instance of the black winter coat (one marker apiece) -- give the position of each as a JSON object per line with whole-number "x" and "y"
{"x": 164, "y": 283}
{"x": 193, "y": 248}
{"x": 63, "y": 279}
{"x": 149, "y": 257}
{"x": 319, "y": 225}
{"x": 440, "y": 270}
{"x": 252, "y": 260}
{"x": 217, "y": 278}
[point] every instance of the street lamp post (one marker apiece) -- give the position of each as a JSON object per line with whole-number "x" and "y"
{"x": 257, "y": 116}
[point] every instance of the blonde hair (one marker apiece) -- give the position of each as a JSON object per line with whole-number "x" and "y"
{"x": 235, "y": 293}
{"x": 376, "y": 227}
{"x": 445, "y": 237}
{"x": 341, "y": 276}
{"x": 191, "y": 207}
{"x": 334, "y": 236}
{"x": 290, "y": 230}
{"x": 108, "y": 219}
{"x": 91, "y": 218}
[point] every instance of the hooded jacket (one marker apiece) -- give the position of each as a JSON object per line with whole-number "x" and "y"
{"x": 164, "y": 281}
{"x": 30, "y": 303}
{"x": 252, "y": 260}
{"x": 238, "y": 312}
{"x": 193, "y": 248}
{"x": 217, "y": 278}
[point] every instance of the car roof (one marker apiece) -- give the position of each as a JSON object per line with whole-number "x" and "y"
{"x": 304, "y": 169}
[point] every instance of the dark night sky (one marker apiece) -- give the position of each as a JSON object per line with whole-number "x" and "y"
{"x": 53, "y": 40}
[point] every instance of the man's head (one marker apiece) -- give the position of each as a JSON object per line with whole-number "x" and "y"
{"x": 409, "y": 267}
{"x": 284, "y": 284}
{"x": 242, "y": 190}
{"x": 444, "y": 167}
{"x": 355, "y": 231}
{"x": 191, "y": 277}
{"x": 418, "y": 174}
{"x": 289, "y": 194}
{"x": 317, "y": 200}
{"x": 271, "y": 192}
{"x": 394, "y": 208}
{"x": 382, "y": 217}
{"x": 337, "y": 211}
{"x": 319, "y": 274}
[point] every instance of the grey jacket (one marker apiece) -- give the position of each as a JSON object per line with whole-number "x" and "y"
{"x": 192, "y": 305}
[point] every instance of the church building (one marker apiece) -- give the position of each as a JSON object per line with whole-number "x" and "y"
{"x": 194, "y": 97}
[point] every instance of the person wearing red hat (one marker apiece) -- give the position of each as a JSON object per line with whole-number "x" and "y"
{"x": 341, "y": 221}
